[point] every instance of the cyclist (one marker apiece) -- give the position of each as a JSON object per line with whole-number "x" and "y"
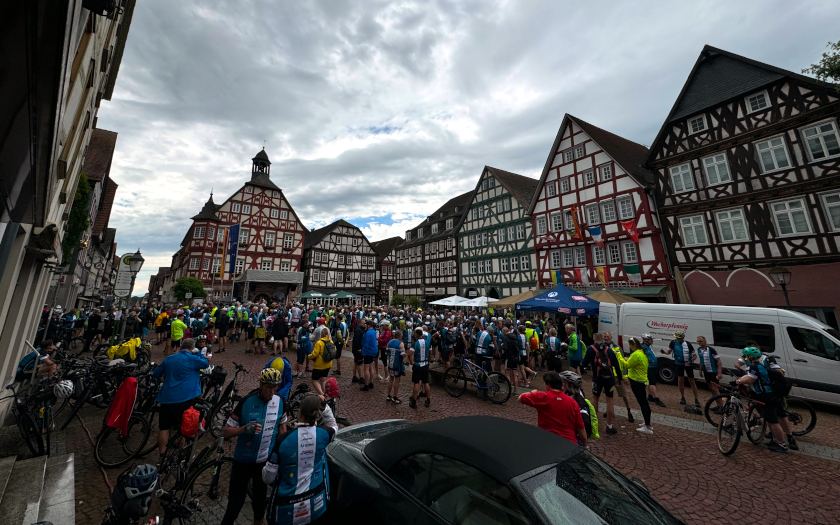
{"x": 282, "y": 364}
{"x": 553, "y": 347}
{"x": 322, "y": 357}
{"x": 576, "y": 348}
{"x": 771, "y": 409}
{"x": 510, "y": 353}
{"x": 340, "y": 334}
{"x": 571, "y": 386}
{"x": 304, "y": 347}
{"x": 419, "y": 359}
{"x": 684, "y": 357}
{"x": 556, "y": 411}
{"x": 606, "y": 372}
{"x": 42, "y": 359}
{"x": 395, "y": 367}
{"x": 177, "y": 328}
{"x": 711, "y": 369}
{"x": 653, "y": 374}
{"x": 619, "y": 387}
{"x": 522, "y": 342}
{"x": 254, "y": 423}
{"x": 181, "y": 385}
{"x": 636, "y": 368}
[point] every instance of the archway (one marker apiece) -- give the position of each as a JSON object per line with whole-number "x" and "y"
{"x": 493, "y": 294}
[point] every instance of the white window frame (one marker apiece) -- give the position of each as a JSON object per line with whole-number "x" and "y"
{"x": 503, "y": 264}
{"x": 748, "y": 105}
{"x": 473, "y": 267}
{"x": 580, "y": 152}
{"x": 450, "y": 243}
{"x": 288, "y": 240}
{"x": 599, "y": 257}
{"x": 339, "y": 277}
{"x": 275, "y": 213}
{"x": 340, "y": 258}
{"x": 567, "y": 258}
{"x": 235, "y": 207}
{"x": 284, "y": 214}
{"x": 606, "y": 206}
{"x": 720, "y": 221}
{"x": 613, "y": 253}
{"x": 588, "y": 178}
{"x": 217, "y": 264}
{"x": 568, "y": 220}
{"x": 593, "y": 215}
{"x": 211, "y": 232}
{"x": 694, "y": 225}
{"x": 542, "y": 228}
{"x": 568, "y": 155}
{"x": 419, "y": 233}
{"x": 449, "y": 224}
{"x": 715, "y": 163}
{"x": 434, "y": 228}
{"x": 520, "y": 232}
{"x": 408, "y": 235}
{"x": 285, "y": 266}
{"x": 772, "y": 149}
{"x": 525, "y": 262}
{"x": 804, "y": 208}
{"x": 629, "y": 246}
{"x": 610, "y": 172}
{"x": 833, "y": 123}
{"x": 198, "y": 233}
{"x": 555, "y": 259}
{"x": 270, "y": 238}
{"x": 514, "y": 264}
{"x": 618, "y": 204}
{"x": 551, "y": 189}
{"x": 511, "y": 233}
{"x": 275, "y": 194}
{"x": 317, "y": 256}
{"x": 195, "y": 263}
{"x": 557, "y": 221}
{"x": 681, "y": 174}
{"x": 244, "y": 235}
{"x": 239, "y": 266}
{"x": 827, "y": 207}
{"x": 249, "y": 189}
{"x": 691, "y": 128}
{"x": 263, "y": 265}
{"x": 565, "y": 185}
{"x": 580, "y": 256}
{"x": 323, "y": 276}
{"x": 500, "y": 235}
{"x": 246, "y": 209}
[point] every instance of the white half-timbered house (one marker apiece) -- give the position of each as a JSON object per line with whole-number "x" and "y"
{"x": 591, "y": 197}
{"x": 339, "y": 257}
{"x": 495, "y": 237}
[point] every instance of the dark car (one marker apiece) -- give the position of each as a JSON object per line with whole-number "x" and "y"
{"x": 477, "y": 470}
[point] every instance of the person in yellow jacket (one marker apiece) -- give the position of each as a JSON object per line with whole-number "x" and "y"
{"x": 177, "y": 328}
{"x": 619, "y": 386}
{"x": 323, "y": 349}
{"x": 637, "y": 369}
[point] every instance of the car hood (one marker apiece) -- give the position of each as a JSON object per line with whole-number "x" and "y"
{"x": 363, "y": 433}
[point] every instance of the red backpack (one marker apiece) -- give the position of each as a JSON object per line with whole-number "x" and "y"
{"x": 332, "y": 388}
{"x": 189, "y": 422}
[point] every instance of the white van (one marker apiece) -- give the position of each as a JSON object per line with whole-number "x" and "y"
{"x": 808, "y": 350}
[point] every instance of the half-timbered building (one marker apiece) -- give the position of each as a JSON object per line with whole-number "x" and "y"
{"x": 270, "y": 243}
{"x": 595, "y": 223}
{"x": 427, "y": 262}
{"x": 386, "y": 268}
{"x": 747, "y": 169}
{"x": 495, "y": 237}
{"x": 339, "y": 257}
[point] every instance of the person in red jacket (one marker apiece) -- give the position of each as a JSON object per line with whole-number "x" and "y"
{"x": 556, "y": 411}
{"x": 384, "y": 339}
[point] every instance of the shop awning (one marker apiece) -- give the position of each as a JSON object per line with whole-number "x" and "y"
{"x": 344, "y": 295}
{"x": 311, "y": 294}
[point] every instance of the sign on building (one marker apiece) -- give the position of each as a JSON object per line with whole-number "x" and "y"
{"x": 122, "y": 284}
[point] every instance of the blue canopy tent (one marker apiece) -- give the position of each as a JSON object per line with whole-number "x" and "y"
{"x": 560, "y": 300}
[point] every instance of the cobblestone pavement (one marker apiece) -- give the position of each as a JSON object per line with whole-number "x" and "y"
{"x": 680, "y": 463}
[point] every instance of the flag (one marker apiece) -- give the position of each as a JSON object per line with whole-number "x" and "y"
{"x": 554, "y": 277}
{"x": 595, "y": 233}
{"x": 630, "y": 228}
{"x": 633, "y": 274}
{"x": 233, "y": 248}
{"x": 602, "y": 274}
{"x": 576, "y": 234}
{"x": 582, "y": 276}
{"x": 224, "y": 252}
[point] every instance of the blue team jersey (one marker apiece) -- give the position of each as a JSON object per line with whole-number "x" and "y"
{"x": 421, "y": 352}
{"x": 395, "y": 355}
{"x": 552, "y": 345}
{"x": 302, "y": 483}
{"x": 708, "y": 359}
{"x": 482, "y": 343}
{"x": 252, "y": 409}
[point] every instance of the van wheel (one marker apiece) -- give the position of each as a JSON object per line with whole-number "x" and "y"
{"x": 667, "y": 374}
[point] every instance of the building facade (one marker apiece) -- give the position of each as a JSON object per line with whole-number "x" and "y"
{"x": 495, "y": 237}
{"x": 386, "y": 268}
{"x": 427, "y": 262}
{"x": 595, "y": 222}
{"x": 747, "y": 170}
{"x": 338, "y": 257}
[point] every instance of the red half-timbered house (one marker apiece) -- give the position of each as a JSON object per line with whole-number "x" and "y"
{"x": 271, "y": 236}
{"x": 595, "y": 224}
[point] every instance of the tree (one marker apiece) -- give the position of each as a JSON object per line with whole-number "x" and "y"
{"x": 397, "y": 300}
{"x": 828, "y": 68}
{"x": 414, "y": 302}
{"x": 186, "y": 285}
{"x": 78, "y": 221}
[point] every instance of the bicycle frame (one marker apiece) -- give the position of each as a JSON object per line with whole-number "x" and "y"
{"x": 471, "y": 367}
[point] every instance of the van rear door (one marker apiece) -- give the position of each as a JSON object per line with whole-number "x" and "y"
{"x": 815, "y": 358}
{"x": 608, "y": 318}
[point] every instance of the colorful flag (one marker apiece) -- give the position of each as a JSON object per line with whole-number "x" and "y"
{"x": 582, "y": 276}
{"x": 630, "y": 228}
{"x": 602, "y": 274}
{"x": 633, "y": 274}
{"x": 233, "y": 248}
{"x": 577, "y": 234}
{"x": 554, "y": 277}
{"x": 224, "y": 252}
{"x": 595, "y": 233}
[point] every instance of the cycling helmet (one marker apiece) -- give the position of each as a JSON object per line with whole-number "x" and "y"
{"x": 409, "y": 324}
{"x": 320, "y": 320}
{"x": 647, "y": 336}
{"x": 271, "y": 376}
{"x": 63, "y": 389}
{"x": 58, "y": 309}
{"x": 679, "y": 334}
{"x": 751, "y": 351}
{"x": 277, "y": 364}
{"x": 571, "y": 377}
{"x": 201, "y": 337}
{"x": 141, "y": 479}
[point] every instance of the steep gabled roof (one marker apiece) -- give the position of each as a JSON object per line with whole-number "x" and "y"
{"x": 522, "y": 188}
{"x": 386, "y": 246}
{"x": 106, "y": 203}
{"x": 448, "y": 210}
{"x": 626, "y": 153}
{"x": 315, "y": 236}
{"x": 718, "y": 76}
{"x": 99, "y": 153}
{"x": 262, "y": 180}
{"x": 208, "y": 212}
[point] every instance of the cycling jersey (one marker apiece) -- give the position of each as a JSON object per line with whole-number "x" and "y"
{"x": 575, "y": 348}
{"x": 760, "y": 372}
{"x": 482, "y": 343}
{"x": 254, "y": 448}
{"x": 421, "y": 352}
{"x": 682, "y": 352}
{"x": 708, "y": 359}
{"x": 523, "y": 344}
{"x": 395, "y": 355}
{"x": 650, "y": 355}
{"x": 552, "y": 344}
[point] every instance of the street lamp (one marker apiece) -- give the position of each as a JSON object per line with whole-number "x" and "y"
{"x": 135, "y": 263}
{"x": 781, "y": 276}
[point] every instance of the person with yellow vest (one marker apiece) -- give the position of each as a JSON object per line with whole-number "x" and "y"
{"x": 161, "y": 323}
{"x": 637, "y": 369}
{"x": 177, "y": 328}
{"x": 619, "y": 387}
{"x": 322, "y": 355}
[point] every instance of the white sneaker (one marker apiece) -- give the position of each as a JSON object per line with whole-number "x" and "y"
{"x": 644, "y": 430}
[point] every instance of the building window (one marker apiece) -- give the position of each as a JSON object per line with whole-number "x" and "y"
{"x": 693, "y": 230}
{"x": 285, "y": 266}
{"x": 614, "y": 252}
{"x": 791, "y": 217}
{"x": 568, "y": 257}
{"x": 217, "y": 264}
{"x": 433, "y": 248}
{"x": 198, "y": 233}
{"x": 697, "y": 124}
{"x": 243, "y": 236}
{"x": 408, "y": 236}
{"x": 514, "y": 264}
{"x": 630, "y": 255}
{"x": 681, "y": 178}
{"x": 450, "y": 243}
{"x": 266, "y": 265}
{"x": 757, "y": 102}
{"x": 608, "y": 211}
{"x": 474, "y": 214}
{"x": 593, "y": 217}
{"x": 564, "y": 185}
{"x": 449, "y": 224}
{"x": 317, "y": 257}
{"x": 832, "y": 209}
{"x": 500, "y": 235}
{"x": 717, "y": 171}
{"x": 284, "y": 214}
{"x": 551, "y": 189}
{"x": 822, "y": 140}
{"x": 246, "y": 208}
{"x": 568, "y": 155}
{"x": 580, "y": 256}
{"x": 220, "y": 234}
{"x": 480, "y": 266}
{"x": 588, "y": 178}
{"x": 520, "y": 232}
{"x": 339, "y": 277}
{"x": 555, "y": 260}
{"x": 269, "y": 239}
{"x": 570, "y": 223}
{"x": 249, "y": 189}
{"x": 541, "y": 226}
{"x": 504, "y": 264}
{"x": 473, "y": 267}
{"x": 211, "y": 233}
{"x": 288, "y": 240}
{"x": 606, "y": 172}
{"x": 557, "y": 221}
{"x": 434, "y": 228}
{"x": 240, "y": 265}
{"x": 275, "y": 194}
{"x": 341, "y": 259}
{"x": 484, "y": 238}
{"x": 579, "y": 152}
{"x": 235, "y": 207}
{"x": 195, "y": 263}
{"x": 772, "y": 154}
{"x": 625, "y": 208}
{"x": 731, "y": 225}
{"x": 598, "y": 256}
{"x": 511, "y": 233}
{"x": 275, "y": 213}
{"x": 525, "y": 262}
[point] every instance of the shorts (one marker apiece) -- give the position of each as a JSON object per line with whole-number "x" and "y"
{"x": 368, "y": 359}
{"x": 603, "y": 384}
{"x": 160, "y": 329}
{"x": 295, "y": 324}
{"x": 653, "y": 376}
{"x": 710, "y": 377}
{"x": 319, "y": 373}
{"x": 446, "y": 354}
{"x": 396, "y": 373}
{"x": 619, "y": 390}
{"x": 176, "y": 344}
{"x": 383, "y": 355}
{"x": 772, "y": 409}
{"x": 171, "y": 413}
{"x": 420, "y": 374}
{"x": 512, "y": 364}
{"x": 301, "y": 355}
{"x": 688, "y": 371}
{"x": 357, "y": 357}
{"x": 555, "y": 363}
{"x": 251, "y": 331}
{"x": 574, "y": 363}
{"x": 338, "y": 351}
{"x": 259, "y": 334}
{"x": 223, "y": 332}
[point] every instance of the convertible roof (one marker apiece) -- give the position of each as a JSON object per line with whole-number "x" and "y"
{"x": 500, "y": 447}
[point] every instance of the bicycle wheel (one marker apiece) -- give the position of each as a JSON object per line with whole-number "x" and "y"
{"x": 30, "y": 432}
{"x": 207, "y": 492}
{"x": 755, "y": 425}
{"x": 729, "y": 429}
{"x": 802, "y": 416}
{"x": 455, "y": 382}
{"x": 711, "y": 404}
{"x": 76, "y": 405}
{"x": 220, "y": 413}
{"x": 76, "y": 346}
{"x": 112, "y": 449}
{"x": 498, "y": 388}
{"x": 101, "y": 350}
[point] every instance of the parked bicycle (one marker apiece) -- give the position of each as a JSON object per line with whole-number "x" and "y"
{"x": 225, "y": 403}
{"x": 739, "y": 415}
{"x": 800, "y": 413}
{"x": 34, "y": 412}
{"x": 494, "y": 385}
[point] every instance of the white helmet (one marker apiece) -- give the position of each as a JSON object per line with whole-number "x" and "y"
{"x": 63, "y": 389}
{"x": 408, "y": 324}
{"x": 58, "y": 309}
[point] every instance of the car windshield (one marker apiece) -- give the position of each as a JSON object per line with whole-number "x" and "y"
{"x": 585, "y": 490}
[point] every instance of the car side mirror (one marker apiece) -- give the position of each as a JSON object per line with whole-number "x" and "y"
{"x": 639, "y": 483}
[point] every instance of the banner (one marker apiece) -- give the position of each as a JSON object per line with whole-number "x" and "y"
{"x": 595, "y": 233}
{"x": 232, "y": 248}
{"x": 554, "y": 277}
{"x": 602, "y": 274}
{"x": 633, "y": 274}
{"x": 224, "y": 252}
{"x": 630, "y": 228}
{"x": 576, "y": 234}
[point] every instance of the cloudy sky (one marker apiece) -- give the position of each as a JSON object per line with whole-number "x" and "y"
{"x": 378, "y": 112}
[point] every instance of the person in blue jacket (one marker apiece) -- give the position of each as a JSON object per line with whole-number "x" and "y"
{"x": 181, "y": 386}
{"x": 304, "y": 347}
{"x": 370, "y": 350}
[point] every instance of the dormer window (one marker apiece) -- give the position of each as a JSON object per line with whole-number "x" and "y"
{"x": 757, "y": 102}
{"x": 408, "y": 236}
{"x": 449, "y": 224}
{"x": 419, "y": 233}
{"x": 434, "y": 228}
{"x": 697, "y": 124}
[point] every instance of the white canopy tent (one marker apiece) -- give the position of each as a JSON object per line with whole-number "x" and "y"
{"x": 455, "y": 300}
{"x": 480, "y": 302}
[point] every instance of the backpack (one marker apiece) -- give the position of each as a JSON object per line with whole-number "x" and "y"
{"x": 534, "y": 343}
{"x": 603, "y": 367}
{"x": 329, "y": 351}
{"x": 189, "y": 422}
{"x": 780, "y": 384}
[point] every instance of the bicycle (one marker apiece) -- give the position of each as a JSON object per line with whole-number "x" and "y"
{"x": 802, "y": 416}
{"x": 495, "y": 386}
{"x": 225, "y": 403}
{"x": 29, "y": 430}
{"x": 737, "y": 418}
{"x": 73, "y": 345}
